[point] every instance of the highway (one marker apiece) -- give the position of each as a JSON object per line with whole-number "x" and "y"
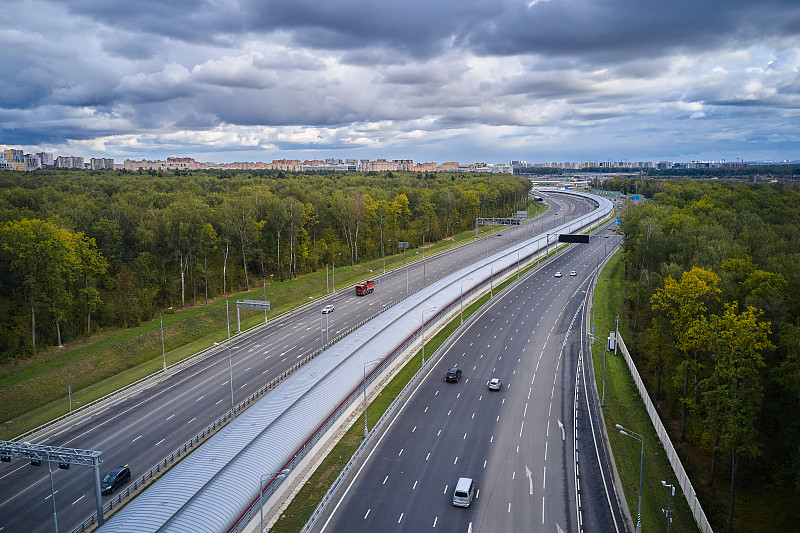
{"x": 147, "y": 426}
{"x": 519, "y": 444}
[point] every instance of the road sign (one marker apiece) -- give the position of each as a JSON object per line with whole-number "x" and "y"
{"x": 402, "y": 244}
{"x": 255, "y": 304}
{"x": 563, "y": 237}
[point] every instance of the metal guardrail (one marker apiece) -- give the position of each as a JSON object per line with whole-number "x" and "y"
{"x": 320, "y": 509}
{"x": 146, "y": 381}
{"x": 666, "y": 442}
{"x": 300, "y": 453}
{"x": 217, "y": 347}
{"x": 217, "y": 424}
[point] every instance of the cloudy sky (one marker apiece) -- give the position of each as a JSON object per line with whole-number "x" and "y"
{"x": 429, "y": 80}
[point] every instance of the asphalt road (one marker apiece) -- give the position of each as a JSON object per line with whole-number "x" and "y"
{"x": 520, "y": 444}
{"x": 146, "y": 427}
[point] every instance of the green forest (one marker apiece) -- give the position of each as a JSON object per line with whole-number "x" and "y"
{"x": 713, "y": 301}
{"x": 82, "y": 251}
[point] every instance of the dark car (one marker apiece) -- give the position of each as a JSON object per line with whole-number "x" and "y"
{"x": 115, "y": 479}
{"x": 454, "y": 374}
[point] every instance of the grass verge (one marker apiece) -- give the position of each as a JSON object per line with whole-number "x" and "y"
{"x": 34, "y": 391}
{"x": 624, "y": 406}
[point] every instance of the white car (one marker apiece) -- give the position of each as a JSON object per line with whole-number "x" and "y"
{"x": 558, "y": 274}
{"x": 573, "y": 273}
{"x": 495, "y": 384}
{"x": 327, "y": 309}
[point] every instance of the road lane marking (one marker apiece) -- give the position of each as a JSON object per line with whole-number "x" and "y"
{"x": 137, "y": 438}
{"x": 79, "y": 499}
{"x": 366, "y": 515}
{"x": 384, "y": 480}
{"x": 159, "y": 442}
{"x": 192, "y": 420}
{"x": 530, "y": 479}
{"x": 400, "y": 519}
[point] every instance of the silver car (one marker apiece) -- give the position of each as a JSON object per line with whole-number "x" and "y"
{"x": 327, "y": 309}
{"x": 495, "y": 384}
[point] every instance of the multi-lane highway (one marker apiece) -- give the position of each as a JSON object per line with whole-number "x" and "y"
{"x": 145, "y": 427}
{"x": 533, "y": 447}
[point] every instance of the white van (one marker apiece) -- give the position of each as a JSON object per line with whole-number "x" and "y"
{"x": 464, "y": 493}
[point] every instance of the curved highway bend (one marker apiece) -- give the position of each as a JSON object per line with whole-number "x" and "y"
{"x": 519, "y": 444}
{"x": 149, "y": 425}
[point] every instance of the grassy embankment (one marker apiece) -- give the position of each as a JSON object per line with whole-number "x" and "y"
{"x": 755, "y": 506}
{"x": 624, "y": 406}
{"x": 33, "y": 391}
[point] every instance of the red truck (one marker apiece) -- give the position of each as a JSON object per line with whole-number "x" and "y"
{"x": 365, "y": 287}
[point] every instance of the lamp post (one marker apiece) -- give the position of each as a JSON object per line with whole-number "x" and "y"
{"x": 491, "y": 280}
{"x": 278, "y": 475}
{"x": 547, "y": 246}
{"x": 333, "y": 272}
{"x": 366, "y": 431}
{"x": 53, "y": 495}
{"x": 461, "y": 300}
{"x": 230, "y": 357}
{"x": 423, "y": 333}
{"x": 163, "y": 353}
{"x": 638, "y": 437}
{"x": 669, "y": 505}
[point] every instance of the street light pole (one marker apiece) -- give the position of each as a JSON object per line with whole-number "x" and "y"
{"x": 491, "y": 280}
{"x": 638, "y": 437}
{"x": 53, "y": 496}
{"x": 423, "y": 333}
{"x": 461, "y": 300}
{"x": 163, "y": 353}
{"x": 281, "y": 474}
{"x": 669, "y": 505}
{"x": 333, "y": 272}
{"x": 230, "y": 357}
{"x": 366, "y": 431}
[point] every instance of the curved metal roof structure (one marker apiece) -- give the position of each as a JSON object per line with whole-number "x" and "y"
{"x": 214, "y": 486}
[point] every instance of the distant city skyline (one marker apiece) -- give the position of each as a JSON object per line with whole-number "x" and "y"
{"x": 540, "y": 80}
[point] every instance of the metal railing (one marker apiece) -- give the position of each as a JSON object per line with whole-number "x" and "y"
{"x": 663, "y": 436}
{"x": 321, "y": 430}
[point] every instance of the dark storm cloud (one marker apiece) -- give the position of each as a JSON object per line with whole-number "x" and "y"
{"x": 387, "y": 70}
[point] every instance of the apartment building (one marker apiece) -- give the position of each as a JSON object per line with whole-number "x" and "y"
{"x": 47, "y": 160}
{"x": 69, "y": 162}
{"x": 101, "y": 164}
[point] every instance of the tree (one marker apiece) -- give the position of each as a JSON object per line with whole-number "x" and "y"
{"x": 208, "y": 243}
{"x": 185, "y": 222}
{"x": 685, "y": 304}
{"x": 733, "y": 393}
{"x": 42, "y": 256}
{"x": 91, "y": 264}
